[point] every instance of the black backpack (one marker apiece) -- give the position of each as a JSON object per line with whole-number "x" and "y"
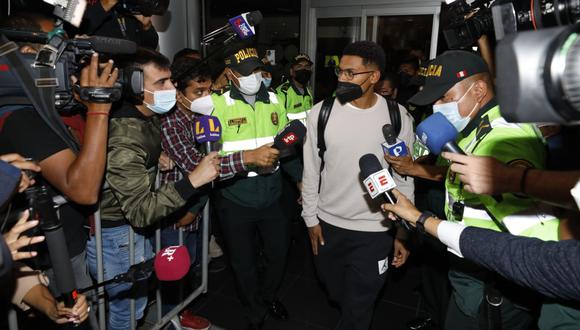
{"x": 324, "y": 114}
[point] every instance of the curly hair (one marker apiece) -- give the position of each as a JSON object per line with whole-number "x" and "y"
{"x": 369, "y": 51}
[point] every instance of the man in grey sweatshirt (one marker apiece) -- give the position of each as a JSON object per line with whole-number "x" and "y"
{"x": 351, "y": 239}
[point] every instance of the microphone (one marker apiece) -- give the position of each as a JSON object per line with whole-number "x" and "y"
{"x": 393, "y": 146}
{"x": 242, "y": 26}
{"x": 377, "y": 180}
{"x": 105, "y": 45}
{"x": 43, "y": 209}
{"x": 289, "y": 138}
{"x": 438, "y": 134}
{"x": 172, "y": 263}
{"x": 208, "y": 129}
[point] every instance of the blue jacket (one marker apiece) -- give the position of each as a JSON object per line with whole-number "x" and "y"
{"x": 551, "y": 268}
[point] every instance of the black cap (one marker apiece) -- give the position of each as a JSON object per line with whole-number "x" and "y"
{"x": 244, "y": 60}
{"x": 445, "y": 71}
{"x": 301, "y": 57}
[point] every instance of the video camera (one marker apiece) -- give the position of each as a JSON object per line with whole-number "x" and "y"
{"x": 503, "y": 17}
{"x": 57, "y": 61}
{"x": 143, "y": 7}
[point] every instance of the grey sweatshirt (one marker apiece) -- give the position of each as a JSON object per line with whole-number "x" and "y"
{"x": 350, "y": 133}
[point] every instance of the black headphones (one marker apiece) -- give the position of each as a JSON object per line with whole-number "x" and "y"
{"x": 132, "y": 79}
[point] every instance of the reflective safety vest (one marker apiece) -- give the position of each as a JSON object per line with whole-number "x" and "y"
{"x": 244, "y": 127}
{"x": 297, "y": 105}
{"x": 512, "y": 144}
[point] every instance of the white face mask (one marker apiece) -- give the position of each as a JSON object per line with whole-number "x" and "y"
{"x": 250, "y": 85}
{"x": 451, "y": 111}
{"x": 163, "y": 101}
{"x": 202, "y": 105}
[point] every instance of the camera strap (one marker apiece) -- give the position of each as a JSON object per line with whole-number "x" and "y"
{"x": 41, "y": 97}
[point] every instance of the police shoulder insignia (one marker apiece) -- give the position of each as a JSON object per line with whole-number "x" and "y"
{"x": 274, "y": 117}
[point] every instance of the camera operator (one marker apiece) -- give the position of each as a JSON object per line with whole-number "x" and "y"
{"x": 76, "y": 176}
{"x": 460, "y": 85}
{"x": 103, "y": 18}
{"x": 131, "y": 200}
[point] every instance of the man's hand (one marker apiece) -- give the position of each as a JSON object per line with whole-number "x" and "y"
{"x": 400, "y": 254}
{"x": 15, "y": 241}
{"x": 207, "y": 170}
{"x": 165, "y": 163}
{"x": 484, "y": 175}
{"x": 90, "y": 77}
{"x": 145, "y": 21}
{"x": 187, "y": 220}
{"x": 23, "y": 164}
{"x": 316, "y": 238}
{"x": 403, "y": 208}
{"x": 263, "y": 156}
{"x": 402, "y": 165}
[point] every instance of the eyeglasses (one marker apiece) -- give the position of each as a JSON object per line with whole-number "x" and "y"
{"x": 348, "y": 73}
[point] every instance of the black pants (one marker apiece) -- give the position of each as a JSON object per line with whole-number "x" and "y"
{"x": 239, "y": 226}
{"x": 348, "y": 267}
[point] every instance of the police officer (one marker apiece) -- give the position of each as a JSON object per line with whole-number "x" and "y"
{"x": 294, "y": 93}
{"x": 249, "y": 204}
{"x": 459, "y": 85}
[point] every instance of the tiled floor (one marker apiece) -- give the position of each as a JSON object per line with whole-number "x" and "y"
{"x": 305, "y": 300}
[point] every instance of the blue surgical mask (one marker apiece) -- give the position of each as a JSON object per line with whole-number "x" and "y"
{"x": 163, "y": 101}
{"x": 451, "y": 111}
{"x": 267, "y": 82}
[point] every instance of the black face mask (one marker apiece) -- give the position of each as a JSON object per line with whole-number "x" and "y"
{"x": 302, "y": 76}
{"x": 347, "y": 91}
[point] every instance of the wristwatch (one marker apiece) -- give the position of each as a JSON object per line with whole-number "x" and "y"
{"x": 420, "y": 224}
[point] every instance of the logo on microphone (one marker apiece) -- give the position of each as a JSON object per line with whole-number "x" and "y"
{"x": 207, "y": 127}
{"x": 169, "y": 251}
{"x": 379, "y": 182}
{"x": 290, "y": 138}
{"x": 241, "y": 26}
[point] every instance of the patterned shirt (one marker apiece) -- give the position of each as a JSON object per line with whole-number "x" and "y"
{"x": 178, "y": 142}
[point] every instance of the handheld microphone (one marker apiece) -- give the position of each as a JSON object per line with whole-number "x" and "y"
{"x": 242, "y": 26}
{"x": 438, "y": 134}
{"x": 393, "y": 146}
{"x": 377, "y": 180}
{"x": 43, "y": 209}
{"x": 170, "y": 264}
{"x": 289, "y": 138}
{"x": 208, "y": 129}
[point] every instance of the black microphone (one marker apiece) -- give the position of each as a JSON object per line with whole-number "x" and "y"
{"x": 105, "y": 45}
{"x": 56, "y": 243}
{"x": 377, "y": 180}
{"x": 289, "y": 138}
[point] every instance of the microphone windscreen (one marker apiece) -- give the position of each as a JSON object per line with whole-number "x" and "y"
{"x": 369, "y": 164}
{"x": 254, "y": 17}
{"x": 172, "y": 263}
{"x": 435, "y": 131}
{"x": 112, "y": 45}
{"x": 207, "y": 129}
{"x": 293, "y": 134}
{"x": 389, "y": 134}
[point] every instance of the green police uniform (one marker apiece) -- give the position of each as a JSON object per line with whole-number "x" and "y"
{"x": 516, "y": 144}
{"x": 297, "y": 103}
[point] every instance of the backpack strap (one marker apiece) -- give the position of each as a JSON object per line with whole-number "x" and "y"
{"x": 395, "y": 115}
{"x": 323, "y": 116}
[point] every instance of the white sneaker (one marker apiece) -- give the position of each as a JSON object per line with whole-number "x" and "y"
{"x": 215, "y": 251}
